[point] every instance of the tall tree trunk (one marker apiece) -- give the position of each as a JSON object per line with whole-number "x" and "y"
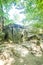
{"x": 1, "y": 17}
{"x": 2, "y": 23}
{"x": 12, "y": 34}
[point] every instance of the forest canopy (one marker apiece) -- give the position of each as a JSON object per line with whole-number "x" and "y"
{"x": 32, "y": 11}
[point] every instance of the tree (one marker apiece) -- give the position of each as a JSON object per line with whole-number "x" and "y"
{"x": 1, "y": 14}
{"x": 34, "y": 10}
{"x": 4, "y": 15}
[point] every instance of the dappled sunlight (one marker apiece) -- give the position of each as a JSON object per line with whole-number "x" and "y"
{"x": 5, "y": 58}
{"x": 1, "y": 62}
{"x": 21, "y": 32}
{"x": 33, "y": 5}
{"x": 15, "y": 15}
{"x": 24, "y": 52}
{"x": 10, "y": 45}
{"x": 40, "y": 30}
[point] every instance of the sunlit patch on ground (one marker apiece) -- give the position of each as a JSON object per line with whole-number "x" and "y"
{"x": 7, "y": 61}
{"x": 1, "y": 62}
{"x": 7, "y": 57}
{"x": 21, "y": 50}
{"x": 24, "y": 52}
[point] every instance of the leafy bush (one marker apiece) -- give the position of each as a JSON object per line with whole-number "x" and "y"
{"x": 2, "y": 35}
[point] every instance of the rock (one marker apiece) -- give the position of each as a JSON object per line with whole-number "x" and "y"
{"x": 39, "y": 53}
{"x": 36, "y": 50}
{"x": 34, "y": 40}
{"x": 41, "y": 45}
{"x": 33, "y": 46}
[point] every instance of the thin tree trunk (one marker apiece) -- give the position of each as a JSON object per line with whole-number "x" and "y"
{"x": 12, "y": 34}
{"x": 1, "y": 17}
{"x": 2, "y": 23}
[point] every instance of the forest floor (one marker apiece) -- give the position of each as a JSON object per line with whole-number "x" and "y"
{"x": 26, "y": 53}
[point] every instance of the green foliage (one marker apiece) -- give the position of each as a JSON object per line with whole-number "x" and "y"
{"x": 2, "y": 35}
{"x": 33, "y": 9}
{"x": 38, "y": 25}
{"x": 6, "y": 5}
